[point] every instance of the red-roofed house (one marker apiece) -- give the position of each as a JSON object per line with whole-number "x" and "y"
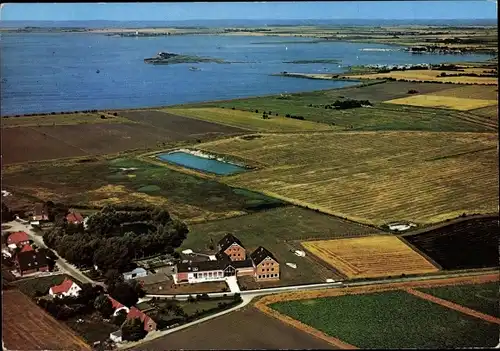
{"x": 17, "y": 239}
{"x": 74, "y": 217}
{"x": 117, "y": 306}
{"x": 133, "y": 312}
{"x": 27, "y": 248}
{"x": 66, "y": 288}
{"x": 149, "y": 324}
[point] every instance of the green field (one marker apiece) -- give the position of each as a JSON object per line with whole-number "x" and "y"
{"x": 379, "y": 117}
{"x": 249, "y": 120}
{"x": 391, "y": 320}
{"x": 480, "y": 297}
{"x": 276, "y": 230}
{"x": 101, "y": 182}
{"x": 42, "y": 284}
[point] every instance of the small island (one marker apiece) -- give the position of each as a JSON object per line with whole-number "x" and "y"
{"x": 165, "y": 58}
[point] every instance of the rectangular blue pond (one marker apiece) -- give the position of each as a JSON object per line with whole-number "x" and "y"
{"x": 200, "y": 163}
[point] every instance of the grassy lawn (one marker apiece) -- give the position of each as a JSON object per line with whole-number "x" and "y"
{"x": 42, "y": 284}
{"x": 103, "y": 182}
{"x": 379, "y": 117}
{"x": 65, "y": 119}
{"x": 93, "y": 327}
{"x": 276, "y": 230}
{"x": 480, "y": 297}
{"x": 391, "y": 320}
{"x": 191, "y": 307}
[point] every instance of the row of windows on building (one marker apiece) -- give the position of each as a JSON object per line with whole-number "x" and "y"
{"x": 208, "y": 274}
{"x": 267, "y": 269}
{"x": 274, "y": 275}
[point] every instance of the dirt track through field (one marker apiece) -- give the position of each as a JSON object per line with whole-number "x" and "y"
{"x": 453, "y": 306}
{"x": 263, "y": 303}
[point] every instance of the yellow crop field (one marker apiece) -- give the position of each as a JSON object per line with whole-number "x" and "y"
{"x": 370, "y": 257}
{"x": 428, "y": 75}
{"x": 448, "y": 102}
{"x": 482, "y": 92}
{"x": 373, "y": 177}
{"x": 248, "y": 120}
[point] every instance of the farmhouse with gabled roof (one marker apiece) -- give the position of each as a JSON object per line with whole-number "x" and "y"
{"x": 66, "y": 288}
{"x": 232, "y": 247}
{"x": 231, "y": 260}
{"x": 267, "y": 266}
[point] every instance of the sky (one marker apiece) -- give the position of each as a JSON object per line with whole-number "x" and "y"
{"x": 443, "y": 9}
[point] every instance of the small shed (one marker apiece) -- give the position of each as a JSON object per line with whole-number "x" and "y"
{"x": 116, "y": 336}
{"x": 136, "y": 273}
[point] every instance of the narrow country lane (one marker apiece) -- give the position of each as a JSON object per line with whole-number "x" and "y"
{"x": 63, "y": 265}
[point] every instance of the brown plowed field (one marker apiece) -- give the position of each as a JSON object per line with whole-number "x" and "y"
{"x": 245, "y": 329}
{"x": 183, "y": 125}
{"x": 454, "y": 306}
{"x": 22, "y": 144}
{"x": 25, "y": 326}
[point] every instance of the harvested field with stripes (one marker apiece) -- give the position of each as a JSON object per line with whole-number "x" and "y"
{"x": 370, "y": 257}
{"x": 370, "y": 177}
{"x": 388, "y": 315}
{"x": 25, "y": 326}
{"x": 454, "y": 103}
{"x": 463, "y": 98}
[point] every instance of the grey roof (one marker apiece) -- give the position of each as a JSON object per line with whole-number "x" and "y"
{"x": 138, "y": 270}
{"x": 228, "y": 240}
{"x": 31, "y": 259}
{"x": 260, "y": 254}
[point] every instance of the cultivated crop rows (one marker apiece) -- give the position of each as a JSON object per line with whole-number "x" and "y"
{"x": 374, "y": 256}
{"x": 374, "y": 177}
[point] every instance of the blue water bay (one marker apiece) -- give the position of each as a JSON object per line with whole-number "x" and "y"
{"x": 76, "y": 71}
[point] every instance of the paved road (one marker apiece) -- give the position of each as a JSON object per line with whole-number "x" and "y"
{"x": 63, "y": 265}
{"x": 249, "y": 295}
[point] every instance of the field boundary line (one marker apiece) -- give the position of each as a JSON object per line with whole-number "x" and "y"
{"x": 453, "y": 306}
{"x": 367, "y": 289}
{"x": 421, "y": 253}
{"x": 87, "y": 153}
{"x": 303, "y": 327}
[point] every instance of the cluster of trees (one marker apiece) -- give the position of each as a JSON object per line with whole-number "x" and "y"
{"x": 350, "y": 103}
{"x": 294, "y": 117}
{"x": 169, "y": 308}
{"x": 7, "y": 214}
{"x": 126, "y": 292}
{"x": 106, "y": 245}
{"x": 488, "y": 74}
{"x": 446, "y": 67}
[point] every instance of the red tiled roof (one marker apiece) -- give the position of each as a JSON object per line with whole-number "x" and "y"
{"x": 74, "y": 217}
{"x": 136, "y": 313}
{"x": 63, "y": 287}
{"x": 116, "y": 305}
{"x": 26, "y": 248}
{"x": 17, "y": 237}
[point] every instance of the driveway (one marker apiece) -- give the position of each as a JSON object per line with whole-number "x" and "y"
{"x": 232, "y": 282}
{"x": 63, "y": 265}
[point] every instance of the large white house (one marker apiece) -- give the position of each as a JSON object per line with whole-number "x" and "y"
{"x": 66, "y": 288}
